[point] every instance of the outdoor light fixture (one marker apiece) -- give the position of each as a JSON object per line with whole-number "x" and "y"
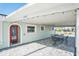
{"x": 27, "y": 18}
{"x": 63, "y": 12}
{"x": 32, "y": 17}
{"x": 24, "y": 16}
{"x": 37, "y": 16}
{"x": 52, "y": 13}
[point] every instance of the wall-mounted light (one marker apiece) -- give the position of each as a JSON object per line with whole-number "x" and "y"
{"x": 32, "y": 17}
{"x": 37, "y": 16}
{"x": 24, "y": 16}
{"x": 52, "y": 13}
{"x": 63, "y": 12}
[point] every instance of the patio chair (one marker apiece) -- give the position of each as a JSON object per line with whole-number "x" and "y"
{"x": 66, "y": 40}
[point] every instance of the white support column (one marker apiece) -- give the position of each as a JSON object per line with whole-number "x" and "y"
{"x": 77, "y": 32}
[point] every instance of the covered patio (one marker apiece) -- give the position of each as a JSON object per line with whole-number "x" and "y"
{"x": 56, "y": 15}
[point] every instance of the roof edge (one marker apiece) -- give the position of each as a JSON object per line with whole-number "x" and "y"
{"x": 3, "y": 14}
{"x": 25, "y": 6}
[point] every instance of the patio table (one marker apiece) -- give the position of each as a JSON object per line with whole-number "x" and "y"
{"x": 57, "y": 38}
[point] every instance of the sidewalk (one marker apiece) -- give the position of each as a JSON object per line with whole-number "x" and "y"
{"x": 38, "y": 48}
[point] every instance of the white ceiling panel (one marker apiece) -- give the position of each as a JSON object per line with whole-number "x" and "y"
{"x": 44, "y": 12}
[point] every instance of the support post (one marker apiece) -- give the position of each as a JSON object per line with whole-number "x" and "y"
{"x": 77, "y": 33}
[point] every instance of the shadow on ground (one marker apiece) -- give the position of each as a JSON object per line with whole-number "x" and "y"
{"x": 69, "y": 46}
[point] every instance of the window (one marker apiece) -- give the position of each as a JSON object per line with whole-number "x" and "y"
{"x": 30, "y": 29}
{"x": 42, "y": 28}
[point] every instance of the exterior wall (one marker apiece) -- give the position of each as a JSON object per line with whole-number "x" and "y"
{"x": 37, "y": 35}
{"x": 2, "y": 17}
{"x": 0, "y": 34}
{"x": 24, "y": 35}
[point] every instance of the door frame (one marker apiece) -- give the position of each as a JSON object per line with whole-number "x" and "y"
{"x": 19, "y": 34}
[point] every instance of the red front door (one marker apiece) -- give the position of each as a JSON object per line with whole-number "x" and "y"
{"x": 13, "y": 34}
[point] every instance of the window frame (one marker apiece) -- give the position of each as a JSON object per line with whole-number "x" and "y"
{"x": 43, "y": 28}
{"x": 32, "y": 26}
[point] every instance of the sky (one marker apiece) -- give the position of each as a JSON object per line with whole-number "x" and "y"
{"x": 7, "y": 8}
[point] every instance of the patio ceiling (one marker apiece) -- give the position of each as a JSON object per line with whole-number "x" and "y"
{"x": 46, "y": 13}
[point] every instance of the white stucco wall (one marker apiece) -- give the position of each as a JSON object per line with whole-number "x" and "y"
{"x": 38, "y": 34}
{"x": 25, "y": 37}
{"x": 0, "y": 34}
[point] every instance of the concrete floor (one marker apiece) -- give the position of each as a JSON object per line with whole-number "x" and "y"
{"x": 38, "y": 48}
